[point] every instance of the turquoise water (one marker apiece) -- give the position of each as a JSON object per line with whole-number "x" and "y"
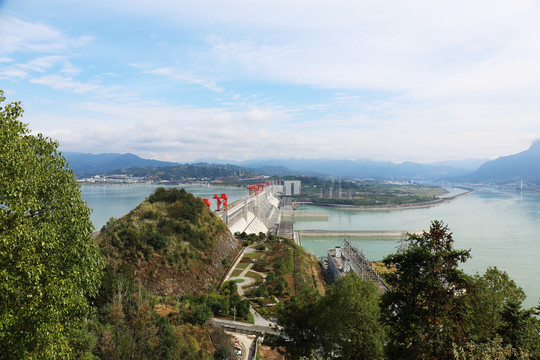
{"x": 108, "y": 201}
{"x": 501, "y": 228}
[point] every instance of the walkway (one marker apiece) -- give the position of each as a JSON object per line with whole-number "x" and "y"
{"x": 247, "y": 282}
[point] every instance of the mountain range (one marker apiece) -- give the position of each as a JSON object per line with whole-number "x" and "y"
{"x": 92, "y": 164}
{"x": 523, "y": 166}
{"x": 84, "y": 164}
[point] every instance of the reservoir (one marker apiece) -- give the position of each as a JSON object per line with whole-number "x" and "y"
{"x": 108, "y": 201}
{"x": 500, "y": 228}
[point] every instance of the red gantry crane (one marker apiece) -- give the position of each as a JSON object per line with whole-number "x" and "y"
{"x": 223, "y": 199}
{"x": 207, "y": 202}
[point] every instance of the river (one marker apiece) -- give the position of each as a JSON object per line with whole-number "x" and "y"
{"x": 500, "y": 228}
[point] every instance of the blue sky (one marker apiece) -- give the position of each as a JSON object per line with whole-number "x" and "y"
{"x": 184, "y": 80}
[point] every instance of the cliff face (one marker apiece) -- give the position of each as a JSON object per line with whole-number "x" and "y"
{"x": 171, "y": 243}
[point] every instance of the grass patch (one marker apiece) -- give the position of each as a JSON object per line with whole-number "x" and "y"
{"x": 242, "y": 265}
{"x": 250, "y": 318}
{"x": 239, "y": 280}
{"x": 258, "y": 278}
{"x": 236, "y": 273}
{"x": 256, "y": 255}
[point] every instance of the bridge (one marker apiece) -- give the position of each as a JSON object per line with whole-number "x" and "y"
{"x": 245, "y": 328}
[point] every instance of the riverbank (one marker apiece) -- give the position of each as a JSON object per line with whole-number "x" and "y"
{"x": 420, "y": 205}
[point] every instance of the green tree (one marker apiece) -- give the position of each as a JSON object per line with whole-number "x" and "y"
{"x": 488, "y": 295}
{"x": 351, "y": 316}
{"x": 492, "y": 349}
{"x": 300, "y": 322}
{"x": 49, "y": 265}
{"x": 426, "y": 308}
{"x": 520, "y": 329}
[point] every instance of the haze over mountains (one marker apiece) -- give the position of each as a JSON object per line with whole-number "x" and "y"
{"x": 94, "y": 164}
{"x": 523, "y": 166}
{"x": 363, "y": 168}
{"x": 84, "y": 164}
{"x": 503, "y": 170}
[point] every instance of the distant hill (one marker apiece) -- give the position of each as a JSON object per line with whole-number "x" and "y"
{"x": 362, "y": 168}
{"x": 184, "y": 172}
{"x": 469, "y": 164}
{"x": 508, "y": 169}
{"x": 84, "y": 164}
{"x": 94, "y": 164}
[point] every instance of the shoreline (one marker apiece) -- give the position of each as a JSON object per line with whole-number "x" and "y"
{"x": 104, "y": 183}
{"x": 421, "y": 205}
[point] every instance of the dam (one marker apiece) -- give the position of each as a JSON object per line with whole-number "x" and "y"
{"x": 258, "y": 212}
{"x": 270, "y": 210}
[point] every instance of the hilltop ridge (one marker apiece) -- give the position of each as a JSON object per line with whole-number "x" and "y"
{"x": 171, "y": 243}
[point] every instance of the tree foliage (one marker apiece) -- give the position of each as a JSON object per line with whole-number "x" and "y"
{"x": 351, "y": 317}
{"x": 487, "y": 296}
{"x": 426, "y": 308}
{"x": 49, "y": 265}
{"x": 342, "y": 324}
{"x": 520, "y": 328}
{"x": 301, "y": 325}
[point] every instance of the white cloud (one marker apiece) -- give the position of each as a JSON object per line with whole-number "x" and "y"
{"x": 18, "y": 35}
{"x": 66, "y": 83}
{"x": 403, "y": 80}
{"x": 41, "y": 64}
{"x": 185, "y": 76}
{"x": 70, "y": 69}
{"x": 13, "y": 73}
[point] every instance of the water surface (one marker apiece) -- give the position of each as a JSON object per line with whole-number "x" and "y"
{"x": 500, "y": 228}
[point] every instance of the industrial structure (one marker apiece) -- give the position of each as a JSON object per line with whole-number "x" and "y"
{"x": 292, "y": 187}
{"x": 345, "y": 259}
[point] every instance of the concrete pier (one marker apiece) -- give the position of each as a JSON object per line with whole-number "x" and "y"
{"x": 304, "y": 214}
{"x": 358, "y": 233}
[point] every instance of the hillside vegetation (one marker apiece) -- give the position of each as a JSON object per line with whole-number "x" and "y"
{"x": 171, "y": 243}
{"x": 187, "y": 172}
{"x": 163, "y": 260}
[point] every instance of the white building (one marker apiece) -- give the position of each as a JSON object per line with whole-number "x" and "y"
{"x": 292, "y": 187}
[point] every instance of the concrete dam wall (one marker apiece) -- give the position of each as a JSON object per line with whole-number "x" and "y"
{"x": 253, "y": 214}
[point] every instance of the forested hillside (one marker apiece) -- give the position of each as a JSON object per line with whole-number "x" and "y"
{"x": 187, "y": 172}
{"x": 171, "y": 243}
{"x": 163, "y": 260}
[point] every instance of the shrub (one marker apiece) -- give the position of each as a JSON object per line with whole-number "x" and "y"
{"x": 156, "y": 240}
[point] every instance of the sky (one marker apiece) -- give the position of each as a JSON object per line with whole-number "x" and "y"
{"x": 416, "y": 80}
